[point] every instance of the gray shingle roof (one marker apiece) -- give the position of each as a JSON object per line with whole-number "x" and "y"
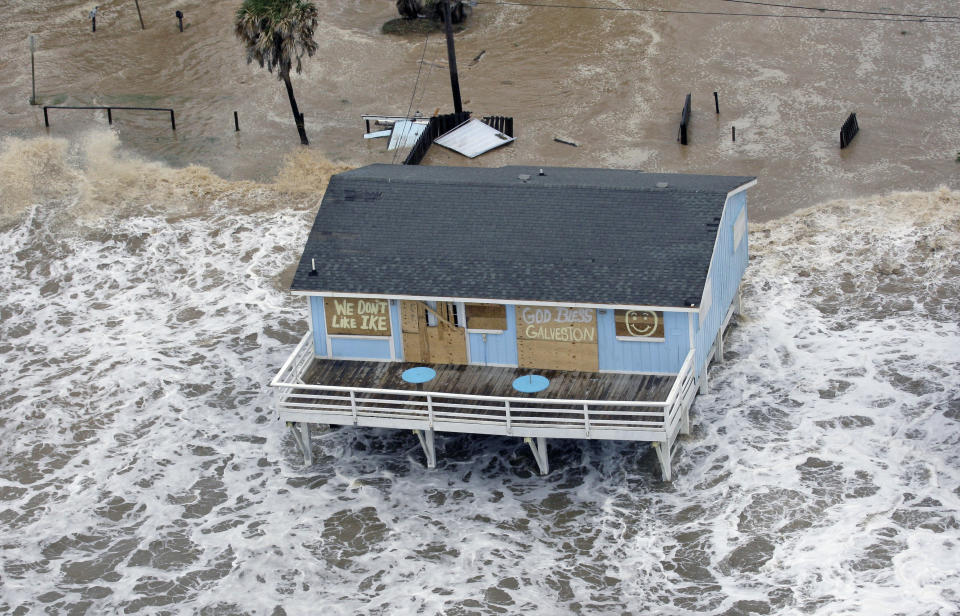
{"x": 599, "y": 236}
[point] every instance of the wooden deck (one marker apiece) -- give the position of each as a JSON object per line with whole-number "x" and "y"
{"x": 482, "y": 400}
{"x": 491, "y": 381}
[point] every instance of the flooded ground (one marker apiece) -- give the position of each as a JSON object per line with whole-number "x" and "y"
{"x": 611, "y": 81}
{"x": 144, "y": 309}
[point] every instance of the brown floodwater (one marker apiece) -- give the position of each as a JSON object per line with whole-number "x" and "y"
{"x": 611, "y": 81}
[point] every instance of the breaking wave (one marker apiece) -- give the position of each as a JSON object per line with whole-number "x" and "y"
{"x": 93, "y": 179}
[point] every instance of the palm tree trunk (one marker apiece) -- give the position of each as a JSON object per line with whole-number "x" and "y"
{"x": 297, "y": 116}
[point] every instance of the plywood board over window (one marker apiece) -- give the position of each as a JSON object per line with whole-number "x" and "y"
{"x": 354, "y": 316}
{"x": 490, "y": 317}
{"x": 639, "y": 324}
{"x": 554, "y": 338}
{"x": 440, "y": 343}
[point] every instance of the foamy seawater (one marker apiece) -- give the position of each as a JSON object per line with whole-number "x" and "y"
{"x": 144, "y": 471}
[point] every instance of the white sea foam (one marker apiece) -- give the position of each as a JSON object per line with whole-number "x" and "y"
{"x": 143, "y": 470}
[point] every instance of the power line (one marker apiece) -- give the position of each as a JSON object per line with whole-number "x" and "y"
{"x": 896, "y": 17}
{"x": 414, "y": 93}
{"x": 829, "y": 10}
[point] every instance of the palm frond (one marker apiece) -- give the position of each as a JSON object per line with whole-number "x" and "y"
{"x": 277, "y": 33}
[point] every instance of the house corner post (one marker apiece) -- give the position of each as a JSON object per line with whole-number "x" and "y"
{"x": 306, "y": 445}
{"x": 539, "y": 449}
{"x": 427, "y": 443}
{"x": 663, "y": 455}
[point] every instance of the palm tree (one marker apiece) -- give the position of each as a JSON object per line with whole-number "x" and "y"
{"x": 277, "y": 33}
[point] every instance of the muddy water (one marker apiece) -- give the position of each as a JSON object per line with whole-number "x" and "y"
{"x": 144, "y": 308}
{"x": 611, "y": 81}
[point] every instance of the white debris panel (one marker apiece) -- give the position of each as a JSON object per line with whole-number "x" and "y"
{"x": 473, "y": 138}
{"x": 405, "y": 134}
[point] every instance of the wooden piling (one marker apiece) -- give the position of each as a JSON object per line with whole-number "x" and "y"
{"x": 733, "y": 132}
{"x": 716, "y": 102}
{"x": 684, "y": 121}
{"x": 236, "y": 122}
{"x": 33, "y": 75}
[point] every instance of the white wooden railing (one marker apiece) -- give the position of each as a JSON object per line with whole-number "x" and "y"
{"x": 404, "y": 408}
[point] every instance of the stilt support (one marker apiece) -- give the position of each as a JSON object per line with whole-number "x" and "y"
{"x": 704, "y": 385}
{"x": 685, "y": 419}
{"x": 718, "y": 355}
{"x": 539, "y": 449}
{"x": 664, "y": 454}
{"x": 301, "y": 434}
{"x": 738, "y": 303}
{"x": 429, "y": 450}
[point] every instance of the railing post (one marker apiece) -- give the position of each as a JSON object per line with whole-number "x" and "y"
{"x": 507, "y": 408}
{"x": 353, "y": 405}
{"x": 430, "y": 410}
{"x": 684, "y": 418}
{"x": 586, "y": 420}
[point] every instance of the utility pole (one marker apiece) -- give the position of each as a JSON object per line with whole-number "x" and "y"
{"x": 452, "y": 58}
{"x": 33, "y": 76}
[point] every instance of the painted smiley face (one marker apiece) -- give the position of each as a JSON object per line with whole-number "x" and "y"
{"x": 641, "y": 322}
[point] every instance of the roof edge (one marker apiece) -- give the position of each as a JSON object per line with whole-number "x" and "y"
{"x": 477, "y": 300}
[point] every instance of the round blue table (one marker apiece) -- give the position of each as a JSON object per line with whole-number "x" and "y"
{"x": 530, "y": 383}
{"x": 418, "y": 375}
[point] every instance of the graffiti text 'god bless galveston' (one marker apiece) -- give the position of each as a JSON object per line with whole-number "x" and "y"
{"x": 558, "y": 324}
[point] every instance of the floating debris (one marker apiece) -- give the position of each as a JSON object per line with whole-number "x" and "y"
{"x": 405, "y": 134}
{"x": 473, "y": 138}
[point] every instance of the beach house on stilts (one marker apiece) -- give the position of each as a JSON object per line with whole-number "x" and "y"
{"x": 524, "y": 302}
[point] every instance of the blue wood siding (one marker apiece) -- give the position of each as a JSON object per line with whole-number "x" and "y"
{"x": 349, "y": 347}
{"x": 353, "y": 347}
{"x": 726, "y": 270}
{"x": 395, "y": 330}
{"x": 319, "y": 322}
{"x": 496, "y": 349}
{"x": 639, "y": 356}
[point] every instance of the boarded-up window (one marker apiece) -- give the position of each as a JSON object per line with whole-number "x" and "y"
{"x": 556, "y": 338}
{"x": 639, "y": 324}
{"x": 487, "y": 316}
{"x": 357, "y": 316}
{"x": 448, "y": 312}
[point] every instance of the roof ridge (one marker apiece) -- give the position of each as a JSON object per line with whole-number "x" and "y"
{"x": 521, "y": 184}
